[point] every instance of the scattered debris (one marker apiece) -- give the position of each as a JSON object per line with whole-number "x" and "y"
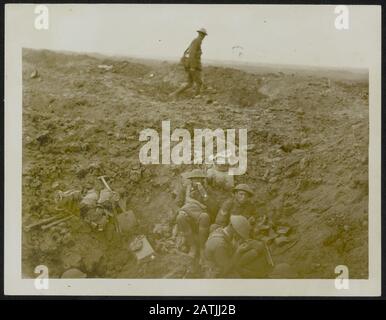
{"x": 73, "y": 274}
{"x": 44, "y": 138}
{"x": 105, "y": 196}
{"x": 71, "y": 260}
{"x": 91, "y": 259}
{"x": 90, "y": 199}
{"x": 127, "y": 221}
{"x": 282, "y": 230}
{"x": 281, "y": 240}
{"x": 105, "y": 67}
{"x": 286, "y": 247}
{"x": 34, "y": 74}
{"x": 94, "y": 116}
{"x": 69, "y": 195}
{"x": 141, "y": 247}
{"x": 42, "y": 222}
{"x": 98, "y": 218}
{"x": 54, "y": 223}
{"x": 269, "y": 255}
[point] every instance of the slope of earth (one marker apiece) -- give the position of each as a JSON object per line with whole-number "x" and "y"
{"x": 307, "y": 160}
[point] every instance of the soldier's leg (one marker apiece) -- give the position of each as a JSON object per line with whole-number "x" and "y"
{"x": 184, "y": 225}
{"x": 186, "y": 86}
{"x": 197, "y": 80}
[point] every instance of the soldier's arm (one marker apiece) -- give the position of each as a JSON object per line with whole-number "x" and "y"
{"x": 253, "y": 250}
{"x": 188, "y": 192}
{"x": 181, "y": 198}
{"x": 222, "y": 218}
{"x": 194, "y": 47}
{"x": 252, "y": 214}
{"x": 180, "y": 193}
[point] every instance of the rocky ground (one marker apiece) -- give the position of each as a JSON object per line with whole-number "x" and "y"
{"x": 307, "y": 160}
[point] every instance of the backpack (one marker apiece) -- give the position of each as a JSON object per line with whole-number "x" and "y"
{"x": 185, "y": 59}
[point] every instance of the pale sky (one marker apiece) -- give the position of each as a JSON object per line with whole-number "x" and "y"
{"x": 294, "y": 35}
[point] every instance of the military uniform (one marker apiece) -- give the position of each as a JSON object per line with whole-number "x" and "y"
{"x": 183, "y": 190}
{"x": 219, "y": 251}
{"x": 253, "y": 262}
{"x": 191, "y": 214}
{"x": 195, "y": 53}
{"x": 220, "y": 260}
{"x": 233, "y": 207}
{"x": 220, "y": 179}
{"x": 192, "y": 65}
{"x": 194, "y": 222}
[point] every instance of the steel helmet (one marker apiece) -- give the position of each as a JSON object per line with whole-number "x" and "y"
{"x": 243, "y": 187}
{"x": 196, "y": 173}
{"x": 241, "y": 226}
{"x": 202, "y": 30}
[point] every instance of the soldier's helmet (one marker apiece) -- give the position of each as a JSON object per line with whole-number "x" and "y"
{"x": 241, "y": 226}
{"x": 196, "y": 173}
{"x": 244, "y": 187}
{"x": 203, "y": 30}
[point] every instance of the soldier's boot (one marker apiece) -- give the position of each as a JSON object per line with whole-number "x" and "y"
{"x": 197, "y": 92}
{"x": 183, "y": 88}
{"x": 198, "y": 88}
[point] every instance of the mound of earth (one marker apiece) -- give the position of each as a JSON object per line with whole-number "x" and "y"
{"x": 307, "y": 160}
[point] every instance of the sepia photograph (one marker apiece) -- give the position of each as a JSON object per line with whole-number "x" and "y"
{"x": 193, "y": 142}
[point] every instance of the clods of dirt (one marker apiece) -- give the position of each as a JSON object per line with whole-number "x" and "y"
{"x": 307, "y": 161}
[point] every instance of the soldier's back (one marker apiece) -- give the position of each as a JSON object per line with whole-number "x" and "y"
{"x": 217, "y": 240}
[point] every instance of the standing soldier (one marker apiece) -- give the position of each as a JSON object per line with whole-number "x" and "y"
{"x": 192, "y": 64}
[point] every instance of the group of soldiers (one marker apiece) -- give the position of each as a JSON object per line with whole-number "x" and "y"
{"x": 219, "y": 237}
